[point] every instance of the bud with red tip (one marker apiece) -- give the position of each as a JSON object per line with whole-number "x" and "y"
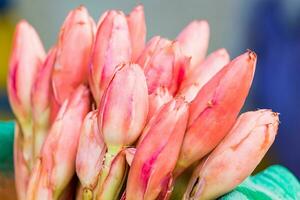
{"x": 235, "y": 157}
{"x": 150, "y": 175}
{"x": 215, "y": 108}
{"x": 56, "y": 166}
{"x": 112, "y": 47}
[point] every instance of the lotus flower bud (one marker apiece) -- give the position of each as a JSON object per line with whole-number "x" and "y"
{"x": 214, "y": 110}
{"x": 26, "y": 60}
{"x": 150, "y": 175}
{"x": 122, "y": 116}
{"x": 137, "y": 28}
{"x": 112, "y": 178}
{"x": 56, "y": 166}
{"x": 90, "y": 154}
{"x": 194, "y": 40}
{"x": 22, "y": 171}
{"x": 235, "y": 158}
{"x": 73, "y": 53}
{"x": 164, "y": 64}
{"x": 157, "y": 99}
{"x": 40, "y": 99}
{"x": 195, "y": 80}
{"x": 112, "y": 47}
{"x": 124, "y": 107}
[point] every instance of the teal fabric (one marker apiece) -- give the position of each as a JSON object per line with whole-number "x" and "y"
{"x": 274, "y": 183}
{"x": 6, "y": 147}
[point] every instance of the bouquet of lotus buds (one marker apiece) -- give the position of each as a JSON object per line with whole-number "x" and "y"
{"x": 104, "y": 115}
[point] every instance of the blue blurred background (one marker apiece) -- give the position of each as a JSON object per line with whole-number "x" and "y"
{"x": 269, "y": 27}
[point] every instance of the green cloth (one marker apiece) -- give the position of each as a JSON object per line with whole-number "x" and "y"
{"x": 6, "y": 147}
{"x": 274, "y": 183}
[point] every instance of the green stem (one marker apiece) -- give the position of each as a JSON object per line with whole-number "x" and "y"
{"x": 27, "y": 144}
{"x": 112, "y": 175}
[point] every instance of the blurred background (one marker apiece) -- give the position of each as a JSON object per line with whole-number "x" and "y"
{"x": 269, "y": 27}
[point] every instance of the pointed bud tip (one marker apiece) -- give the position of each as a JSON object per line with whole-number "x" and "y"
{"x": 252, "y": 55}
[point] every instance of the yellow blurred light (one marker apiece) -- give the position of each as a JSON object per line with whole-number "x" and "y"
{"x": 6, "y": 34}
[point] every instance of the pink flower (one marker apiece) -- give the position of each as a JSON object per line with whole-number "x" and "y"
{"x": 74, "y": 49}
{"x": 215, "y": 108}
{"x": 235, "y": 157}
{"x": 150, "y": 175}
{"x": 112, "y": 47}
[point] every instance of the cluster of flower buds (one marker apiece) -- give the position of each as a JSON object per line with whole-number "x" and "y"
{"x": 105, "y": 115}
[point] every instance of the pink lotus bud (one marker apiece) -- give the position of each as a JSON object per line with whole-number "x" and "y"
{"x": 90, "y": 153}
{"x": 164, "y": 65}
{"x": 73, "y": 53}
{"x": 22, "y": 171}
{"x": 235, "y": 158}
{"x": 40, "y": 99}
{"x": 150, "y": 175}
{"x": 124, "y": 107}
{"x": 112, "y": 177}
{"x": 194, "y": 41}
{"x": 137, "y": 29}
{"x": 195, "y": 80}
{"x": 26, "y": 60}
{"x": 112, "y": 47}
{"x": 214, "y": 110}
{"x": 56, "y": 166}
{"x": 157, "y": 99}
